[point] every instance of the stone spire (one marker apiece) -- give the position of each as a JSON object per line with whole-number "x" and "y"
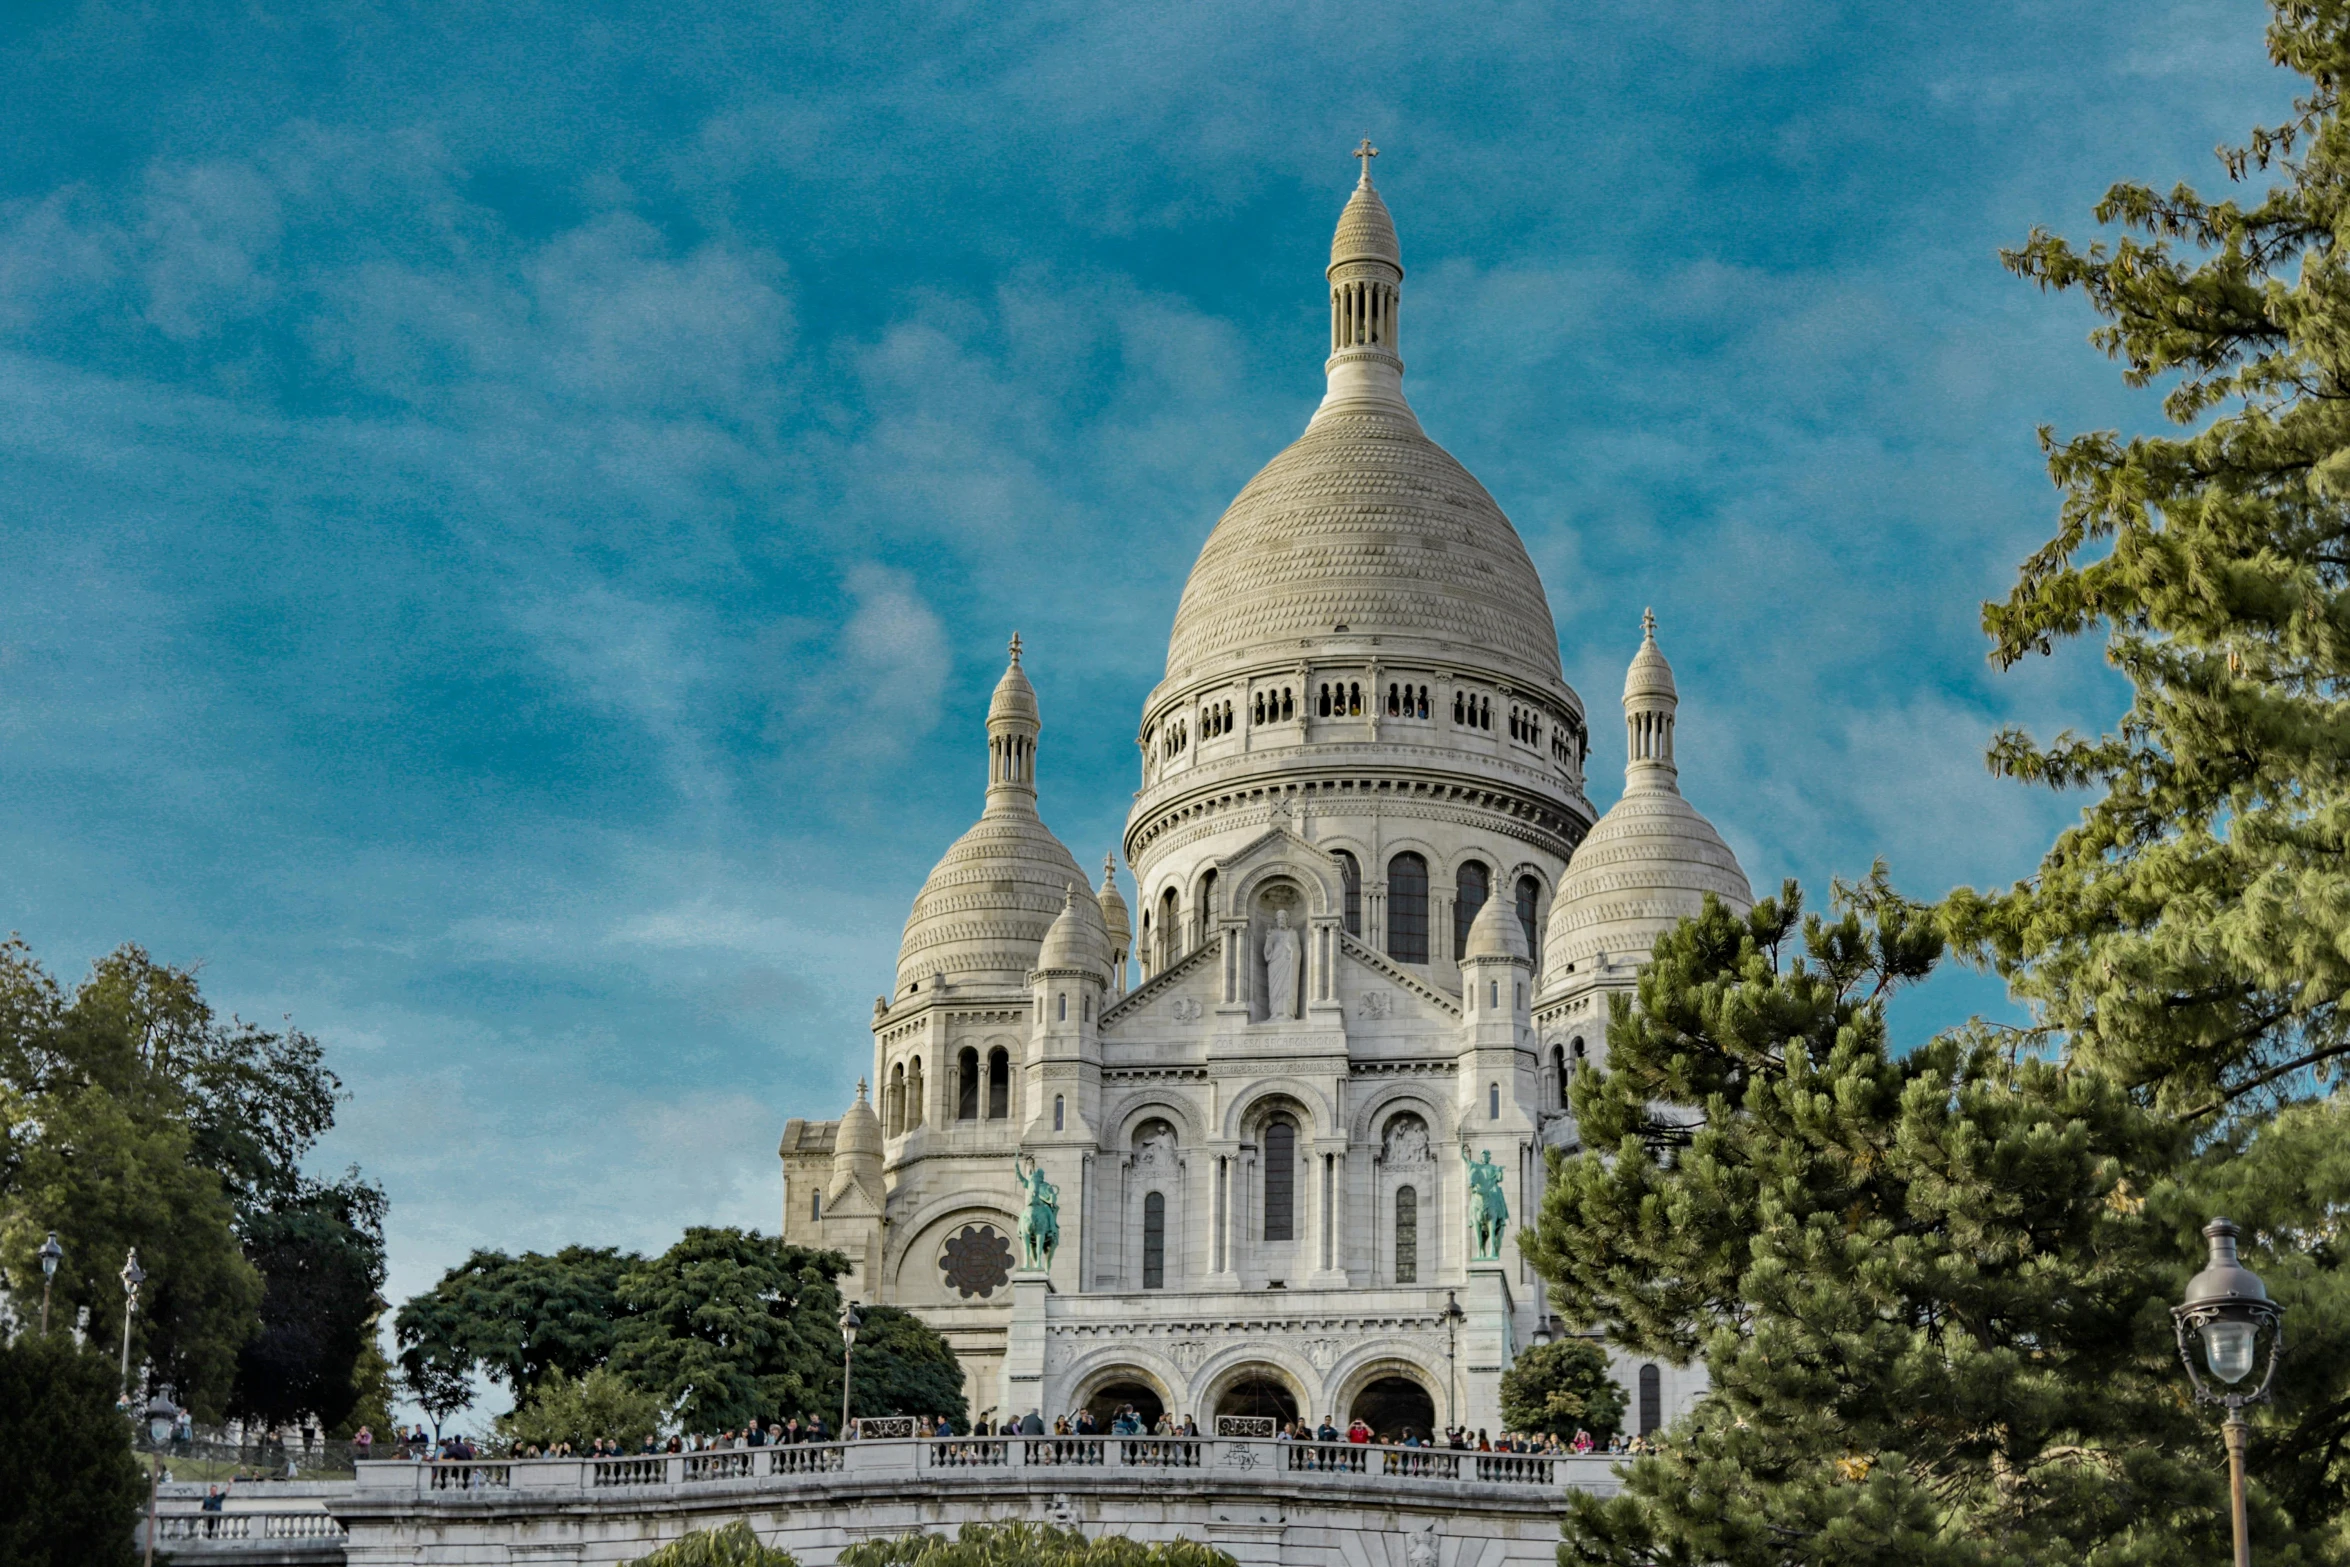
{"x": 1012, "y": 727}
{"x": 1119, "y": 922}
{"x": 1366, "y": 286}
{"x": 1649, "y": 701}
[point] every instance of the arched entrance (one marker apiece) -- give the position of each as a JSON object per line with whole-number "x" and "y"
{"x": 1259, "y": 1393}
{"x": 1394, "y": 1407}
{"x": 1111, "y": 1397}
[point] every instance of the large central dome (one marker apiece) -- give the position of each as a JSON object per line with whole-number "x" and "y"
{"x": 1364, "y": 528}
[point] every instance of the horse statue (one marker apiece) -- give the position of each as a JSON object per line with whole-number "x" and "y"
{"x": 1040, "y": 1214}
{"x": 1489, "y": 1211}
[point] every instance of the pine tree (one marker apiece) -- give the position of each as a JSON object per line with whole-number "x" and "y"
{"x": 1929, "y": 1285}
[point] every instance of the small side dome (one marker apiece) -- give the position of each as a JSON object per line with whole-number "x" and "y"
{"x": 1078, "y": 942}
{"x": 1115, "y": 917}
{"x": 1645, "y": 868}
{"x": 856, "y": 1153}
{"x": 1496, "y": 933}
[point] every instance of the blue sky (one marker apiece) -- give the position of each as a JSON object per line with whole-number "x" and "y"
{"x": 509, "y": 513}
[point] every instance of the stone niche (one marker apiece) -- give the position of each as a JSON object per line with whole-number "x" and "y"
{"x": 1275, "y": 899}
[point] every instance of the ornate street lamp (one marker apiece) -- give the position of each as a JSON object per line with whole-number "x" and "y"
{"x": 51, "y": 1254}
{"x": 849, "y": 1323}
{"x": 132, "y": 1277}
{"x": 2226, "y": 1308}
{"x": 162, "y": 1415}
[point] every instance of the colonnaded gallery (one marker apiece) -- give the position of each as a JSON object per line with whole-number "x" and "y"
{"x": 1258, "y": 1144}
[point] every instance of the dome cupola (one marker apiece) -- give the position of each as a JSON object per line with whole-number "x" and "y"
{"x": 856, "y": 1152}
{"x": 1652, "y": 858}
{"x": 987, "y": 904}
{"x": 1117, "y": 920}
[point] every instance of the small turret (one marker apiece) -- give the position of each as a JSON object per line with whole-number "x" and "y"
{"x": 1013, "y": 725}
{"x": 1070, "y": 986}
{"x": 856, "y": 1155}
{"x": 1650, "y": 699}
{"x": 1366, "y": 294}
{"x": 1118, "y": 921}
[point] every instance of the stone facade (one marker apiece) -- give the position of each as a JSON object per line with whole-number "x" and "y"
{"x": 1366, "y": 949}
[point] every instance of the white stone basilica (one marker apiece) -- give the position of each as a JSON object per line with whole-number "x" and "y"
{"x": 1377, "y": 929}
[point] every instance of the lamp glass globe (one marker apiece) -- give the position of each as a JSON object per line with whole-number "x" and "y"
{"x": 2227, "y": 1349}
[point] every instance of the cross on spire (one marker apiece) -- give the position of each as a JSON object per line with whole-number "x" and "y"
{"x": 1015, "y": 647}
{"x": 1366, "y": 152}
{"x": 1648, "y": 624}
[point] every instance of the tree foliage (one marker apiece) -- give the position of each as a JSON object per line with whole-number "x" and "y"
{"x": 578, "y": 1411}
{"x": 1562, "y": 1388}
{"x": 1929, "y": 1286}
{"x": 2192, "y": 934}
{"x": 320, "y": 1252}
{"x": 733, "y": 1546}
{"x": 725, "y": 1327}
{"x": 72, "y": 1485}
{"x": 1027, "y": 1545}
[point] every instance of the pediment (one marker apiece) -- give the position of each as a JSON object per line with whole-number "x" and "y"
{"x": 1376, "y": 987}
{"x": 1196, "y": 978}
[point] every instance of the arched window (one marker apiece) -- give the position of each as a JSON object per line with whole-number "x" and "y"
{"x": 1167, "y": 927}
{"x": 1280, "y": 1179}
{"x": 1323, "y": 711}
{"x": 895, "y": 1119}
{"x": 1288, "y": 707}
{"x": 1407, "y": 1235}
{"x": 1207, "y": 907}
{"x": 1257, "y": 708}
{"x": 1459, "y": 708}
{"x": 1493, "y": 1101}
{"x": 1057, "y": 1113}
{"x": 1423, "y": 701}
{"x": 1469, "y": 890}
{"x": 1529, "y": 909}
{"x": 816, "y": 1205}
{"x": 1061, "y": 1007}
{"x": 1652, "y": 1399}
{"x": 1487, "y": 725}
{"x": 999, "y": 1084}
{"x": 1407, "y": 909}
{"x": 914, "y": 1110}
{"x": 967, "y": 1085}
{"x": 1559, "y": 1073}
{"x": 1354, "y": 700}
{"x": 1154, "y": 1241}
{"x": 1350, "y": 878}
{"x": 1394, "y": 700}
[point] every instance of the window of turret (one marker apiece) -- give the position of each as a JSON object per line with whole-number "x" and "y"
{"x": 1529, "y": 907}
{"x": 1154, "y": 1241}
{"x": 1407, "y": 909}
{"x": 1062, "y": 1014}
{"x": 1493, "y": 1101}
{"x": 1288, "y": 708}
{"x": 999, "y": 1082}
{"x": 1324, "y": 709}
{"x": 816, "y": 1205}
{"x": 1558, "y": 1067}
{"x": 967, "y": 1085}
{"x": 1207, "y": 906}
{"x": 1407, "y": 1235}
{"x": 1350, "y": 880}
{"x": 1057, "y": 1104}
{"x": 1469, "y": 892}
{"x": 1280, "y": 1179}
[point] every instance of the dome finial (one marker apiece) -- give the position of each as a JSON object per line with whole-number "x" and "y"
{"x": 1015, "y": 647}
{"x": 1366, "y": 152}
{"x": 1647, "y": 629}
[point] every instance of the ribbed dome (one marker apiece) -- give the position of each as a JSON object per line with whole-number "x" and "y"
{"x": 1365, "y": 523}
{"x": 1646, "y": 867}
{"x": 1649, "y": 674}
{"x": 984, "y": 911}
{"x": 1496, "y": 932}
{"x": 1077, "y": 939}
{"x": 1365, "y": 231}
{"x": 1014, "y": 698}
{"x": 1115, "y": 917}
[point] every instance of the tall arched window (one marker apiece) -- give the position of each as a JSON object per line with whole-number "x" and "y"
{"x": 999, "y": 1085}
{"x": 1154, "y": 1241}
{"x": 1407, "y": 1235}
{"x": 1652, "y": 1399}
{"x": 1529, "y": 908}
{"x": 914, "y": 1109}
{"x": 1558, "y": 1065}
{"x": 1407, "y": 909}
{"x": 1469, "y": 893}
{"x": 1167, "y": 927}
{"x": 895, "y": 1117}
{"x": 1280, "y": 1179}
{"x": 967, "y": 1085}
{"x": 1350, "y": 878}
{"x": 1207, "y": 908}
{"x": 1057, "y": 1113}
{"x": 1493, "y": 1101}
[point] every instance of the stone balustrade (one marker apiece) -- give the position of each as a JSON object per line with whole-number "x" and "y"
{"x": 180, "y": 1528}
{"x": 980, "y": 1457}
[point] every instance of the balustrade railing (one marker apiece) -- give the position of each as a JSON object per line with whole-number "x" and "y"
{"x": 1405, "y": 1465}
{"x": 246, "y": 1526}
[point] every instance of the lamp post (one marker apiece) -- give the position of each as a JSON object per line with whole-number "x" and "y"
{"x": 51, "y": 1254}
{"x": 162, "y": 1415}
{"x": 132, "y": 1277}
{"x": 1453, "y": 1318}
{"x": 849, "y": 1323}
{"x": 2226, "y": 1307}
